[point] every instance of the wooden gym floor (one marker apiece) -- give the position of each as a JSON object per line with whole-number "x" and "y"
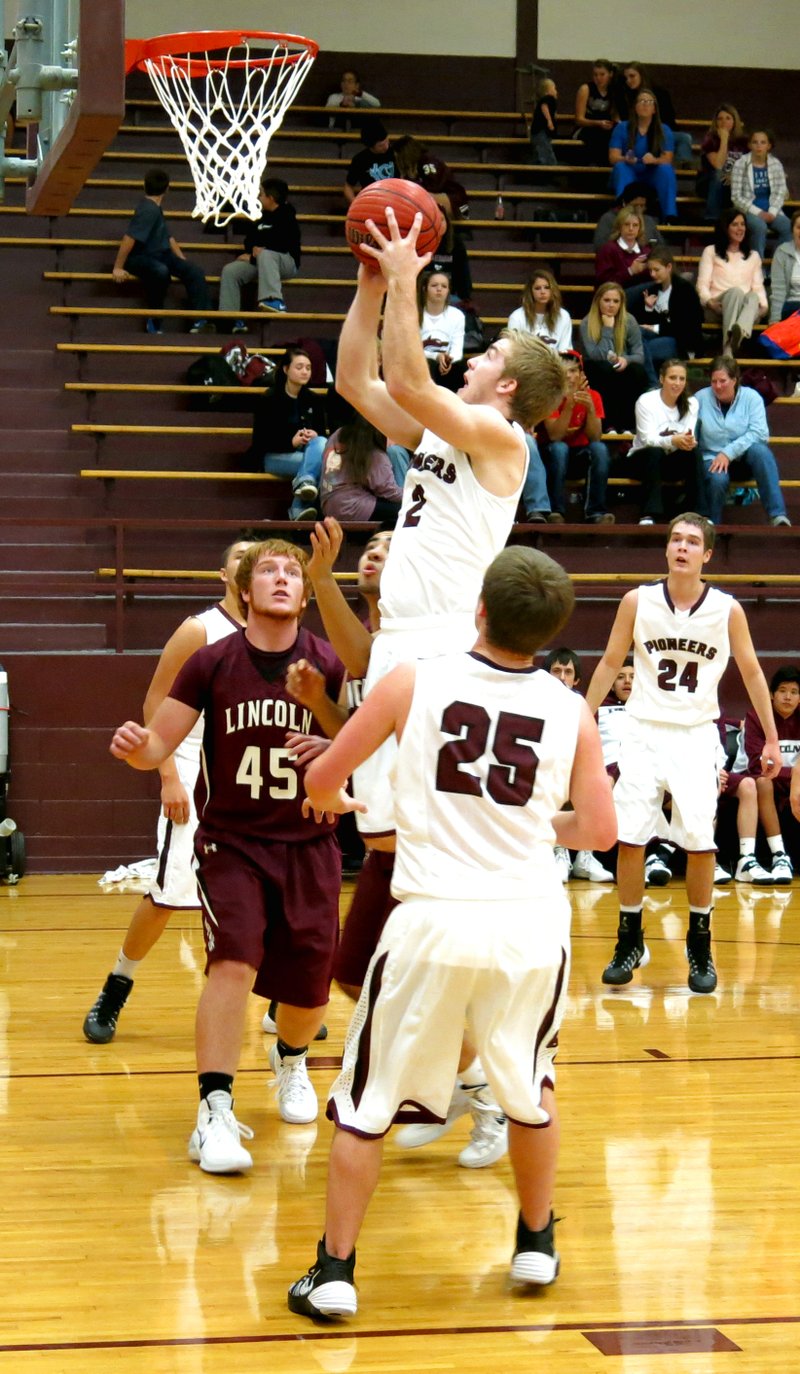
{"x": 678, "y": 1189}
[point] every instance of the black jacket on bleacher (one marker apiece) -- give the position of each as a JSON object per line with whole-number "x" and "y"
{"x": 683, "y": 323}
{"x": 276, "y": 229}
{"x": 278, "y": 416}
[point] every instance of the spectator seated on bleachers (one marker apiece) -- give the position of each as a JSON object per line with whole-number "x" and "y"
{"x": 759, "y": 190}
{"x": 375, "y": 161}
{"x": 613, "y": 355}
{"x": 358, "y": 480}
{"x": 664, "y": 445}
{"x": 289, "y": 431}
{"x": 767, "y": 799}
{"x": 623, "y": 258}
{"x": 784, "y": 290}
{"x": 732, "y": 435}
{"x": 595, "y": 112}
{"x": 724, "y": 142}
{"x": 542, "y": 312}
{"x": 451, "y": 257}
{"x": 543, "y": 124}
{"x": 730, "y": 282}
{"x": 641, "y": 149}
{"x": 148, "y": 251}
{"x": 668, "y": 312}
{"x": 638, "y": 197}
{"x": 271, "y": 254}
{"x": 636, "y": 79}
{"x": 442, "y": 330}
{"x": 414, "y": 162}
{"x": 350, "y": 96}
{"x": 571, "y": 442}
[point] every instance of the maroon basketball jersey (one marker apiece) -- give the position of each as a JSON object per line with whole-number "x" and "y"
{"x": 247, "y": 786}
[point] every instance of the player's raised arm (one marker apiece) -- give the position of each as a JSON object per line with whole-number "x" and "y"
{"x": 383, "y": 712}
{"x": 357, "y": 375}
{"x": 480, "y": 430}
{"x": 350, "y": 639}
{"x": 619, "y": 643}
{"x": 756, "y": 686}
{"x": 592, "y": 823}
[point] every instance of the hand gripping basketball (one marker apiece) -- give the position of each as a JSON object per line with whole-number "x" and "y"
{"x": 407, "y": 201}
{"x": 396, "y": 255}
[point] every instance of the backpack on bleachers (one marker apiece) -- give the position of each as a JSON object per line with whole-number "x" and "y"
{"x": 211, "y": 372}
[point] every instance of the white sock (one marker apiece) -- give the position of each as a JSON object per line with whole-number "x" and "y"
{"x": 775, "y": 842}
{"x": 583, "y": 856}
{"x": 125, "y": 967}
{"x": 473, "y": 1076}
{"x": 747, "y": 847}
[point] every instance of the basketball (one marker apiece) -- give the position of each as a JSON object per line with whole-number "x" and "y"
{"x": 406, "y": 199}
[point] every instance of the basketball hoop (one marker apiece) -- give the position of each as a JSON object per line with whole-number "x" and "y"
{"x": 226, "y": 92}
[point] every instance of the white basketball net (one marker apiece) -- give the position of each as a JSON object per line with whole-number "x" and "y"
{"x": 226, "y": 119}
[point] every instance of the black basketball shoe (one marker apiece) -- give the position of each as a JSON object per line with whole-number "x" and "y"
{"x": 630, "y": 952}
{"x": 535, "y": 1258}
{"x": 101, "y": 1023}
{"x": 702, "y": 974}
{"x": 327, "y": 1290}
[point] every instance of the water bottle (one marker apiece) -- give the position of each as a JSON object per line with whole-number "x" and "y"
{"x": 499, "y": 208}
{"x": 7, "y": 827}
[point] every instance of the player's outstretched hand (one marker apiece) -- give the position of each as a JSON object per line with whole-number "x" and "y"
{"x": 327, "y": 538}
{"x": 396, "y": 256}
{"x": 305, "y": 683}
{"x": 304, "y": 748}
{"x": 127, "y": 739}
{"x": 175, "y": 801}
{"x": 338, "y": 805}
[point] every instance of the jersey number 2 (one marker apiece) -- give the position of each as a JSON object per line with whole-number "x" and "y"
{"x": 414, "y": 512}
{"x": 283, "y": 778}
{"x": 509, "y": 781}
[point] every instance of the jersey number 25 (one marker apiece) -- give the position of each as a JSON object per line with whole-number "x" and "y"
{"x": 510, "y": 779}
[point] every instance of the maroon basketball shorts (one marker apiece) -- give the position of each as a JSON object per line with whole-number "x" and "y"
{"x": 369, "y": 910}
{"x": 274, "y": 906}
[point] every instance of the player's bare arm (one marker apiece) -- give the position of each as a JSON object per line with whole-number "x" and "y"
{"x": 383, "y": 712}
{"x": 482, "y": 431}
{"x": 756, "y": 686}
{"x": 592, "y": 824}
{"x": 794, "y": 792}
{"x": 180, "y": 646}
{"x": 145, "y": 747}
{"x": 349, "y": 637}
{"x": 357, "y": 375}
{"x": 619, "y": 643}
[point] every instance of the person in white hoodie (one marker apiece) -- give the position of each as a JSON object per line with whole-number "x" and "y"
{"x": 665, "y": 443}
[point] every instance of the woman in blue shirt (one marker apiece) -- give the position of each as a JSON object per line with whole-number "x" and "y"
{"x": 641, "y": 149}
{"x": 732, "y": 436}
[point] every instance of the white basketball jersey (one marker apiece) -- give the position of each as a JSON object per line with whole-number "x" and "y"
{"x": 679, "y": 656}
{"x": 447, "y": 533}
{"x": 612, "y": 720}
{"x": 483, "y": 766}
{"x": 217, "y": 624}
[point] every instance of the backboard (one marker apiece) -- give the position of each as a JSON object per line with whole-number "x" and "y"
{"x": 67, "y": 76}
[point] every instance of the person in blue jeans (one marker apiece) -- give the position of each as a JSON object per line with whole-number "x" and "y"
{"x": 574, "y": 438}
{"x": 534, "y": 492}
{"x": 668, "y": 312}
{"x": 289, "y": 432}
{"x": 732, "y": 436}
{"x": 642, "y": 149}
{"x": 148, "y": 251}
